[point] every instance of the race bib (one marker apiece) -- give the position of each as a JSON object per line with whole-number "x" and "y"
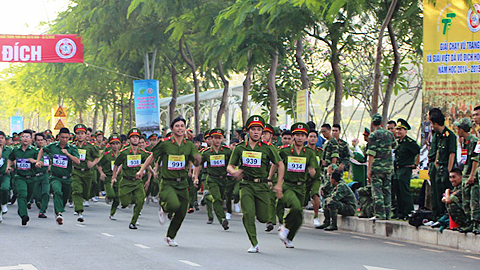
{"x": 464, "y": 156}
{"x": 477, "y": 148}
{"x": 134, "y": 161}
{"x": 252, "y": 159}
{"x": 2, "y": 161}
{"x": 60, "y": 161}
{"x": 112, "y": 164}
{"x": 176, "y": 162}
{"x": 23, "y": 164}
{"x": 82, "y": 153}
{"x": 318, "y": 160}
{"x": 217, "y": 161}
{"x": 46, "y": 161}
{"x": 296, "y": 164}
{"x": 205, "y": 165}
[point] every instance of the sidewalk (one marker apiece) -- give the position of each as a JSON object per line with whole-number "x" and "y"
{"x": 401, "y": 230}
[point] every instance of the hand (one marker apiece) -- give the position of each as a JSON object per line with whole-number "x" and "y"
{"x": 270, "y": 184}
{"x": 471, "y": 179}
{"x": 340, "y": 167}
{"x": 355, "y": 142}
{"x": 147, "y": 184}
{"x": 330, "y": 169}
{"x": 190, "y": 174}
{"x": 8, "y": 169}
{"x": 102, "y": 176}
{"x": 89, "y": 164}
{"x": 38, "y": 164}
{"x": 369, "y": 177}
{"x": 113, "y": 181}
{"x": 155, "y": 175}
{"x": 195, "y": 182}
{"x": 278, "y": 190}
{"x": 238, "y": 174}
{"x": 139, "y": 175}
{"x": 65, "y": 151}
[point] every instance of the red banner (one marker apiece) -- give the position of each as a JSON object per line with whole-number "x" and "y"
{"x": 41, "y": 48}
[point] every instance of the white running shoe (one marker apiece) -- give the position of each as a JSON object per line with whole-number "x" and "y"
{"x": 283, "y": 233}
{"x": 70, "y": 205}
{"x": 288, "y": 243}
{"x": 253, "y": 249}
{"x": 4, "y": 209}
{"x": 75, "y": 213}
{"x": 86, "y": 204}
{"x": 154, "y": 199}
{"x": 80, "y": 218}
{"x": 59, "y": 219}
{"x": 112, "y": 217}
{"x": 316, "y": 223}
{"x": 171, "y": 242}
{"x": 236, "y": 208}
{"x": 228, "y": 216}
{"x": 320, "y": 210}
{"x": 1, "y": 216}
{"x": 95, "y": 199}
{"x": 162, "y": 216}
{"x": 373, "y": 218}
{"x": 147, "y": 200}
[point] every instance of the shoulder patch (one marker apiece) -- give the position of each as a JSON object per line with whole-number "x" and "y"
{"x": 284, "y": 146}
{"x": 106, "y": 153}
{"x": 265, "y": 142}
{"x": 319, "y": 149}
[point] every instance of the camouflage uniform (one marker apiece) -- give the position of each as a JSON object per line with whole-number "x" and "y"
{"x": 330, "y": 151}
{"x": 381, "y": 142}
{"x": 344, "y": 155}
{"x": 342, "y": 201}
{"x": 455, "y": 208}
{"x": 365, "y": 202}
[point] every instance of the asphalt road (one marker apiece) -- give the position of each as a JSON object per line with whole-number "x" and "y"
{"x": 100, "y": 243}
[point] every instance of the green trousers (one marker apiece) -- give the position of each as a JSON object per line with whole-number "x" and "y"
{"x": 95, "y": 185}
{"x": 401, "y": 182}
{"x": 232, "y": 192}
{"x": 81, "y": 185}
{"x": 4, "y": 188}
{"x": 24, "y": 188}
{"x": 293, "y": 196}
{"x": 457, "y": 214}
{"x": 441, "y": 183}
{"x": 381, "y": 193}
{"x": 61, "y": 192}
{"x": 216, "y": 187}
{"x": 41, "y": 191}
{"x": 471, "y": 199}
{"x": 174, "y": 201}
{"x": 192, "y": 192}
{"x": 255, "y": 202}
{"x": 112, "y": 194}
{"x": 132, "y": 192}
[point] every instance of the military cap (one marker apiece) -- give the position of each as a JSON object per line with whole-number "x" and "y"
{"x": 463, "y": 123}
{"x": 276, "y": 131}
{"x": 114, "y": 138}
{"x": 7, "y": 137}
{"x": 48, "y": 131}
{"x": 79, "y": 127}
{"x": 402, "y": 123}
{"x": 366, "y": 132}
{"x": 178, "y": 119}
{"x": 217, "y": 131}
{"x": 300, "y": 127}
{"x": 98, "y": 132}
{"x": 206, "y": 134}
{"x": 269, "y": 128}
{"x": 377, "y": 118}
{"x": 153, "y": 135}
{"x": 255, "y": 120}
{"x": 134, "y": 132}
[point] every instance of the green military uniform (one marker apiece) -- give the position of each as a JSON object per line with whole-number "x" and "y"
{"x": 82, "y": 175}
{"x": 296, "y": 171}
{"x": 341, "y": 202}
{"x": 24, "y": 179}
{"x": 455, "y": 209}
{"x": 277, "y": 208}
{"x": 380, "y": 143}
{"x": 330, "y": 151}
{"x": 61, "y": 173}
{"x": 41, "y": 191}
{"x": 107, "y": 164}
{"x": 446, "y": 143}
{"x": 4, "y": 176}
{"x": 130, "y": 189}
{"x": 405, "y": 153}
{"x": 343, "y": 155}
{"x": 216, "y": 171}
{"x": 173, "y": 194}
{"x": 254, "y": 189}
{"x": 207, "y": 197}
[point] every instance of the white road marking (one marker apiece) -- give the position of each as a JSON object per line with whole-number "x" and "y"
{"x": 432, "y": 250}
{"x": 107, "y": 234}
{"x": 141, "y": 246}
{"x": 471, "y": 257}
{"x": 376, "y": 268}
{"x": 189, "y": 263}
{"x": 81, "y": 225}
{"x": 395, "y": 244}
{"x": 19, "y": 267}
{"x": 359, "y": 237}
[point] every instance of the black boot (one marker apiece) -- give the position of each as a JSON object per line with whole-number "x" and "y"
{"x": 326, "y": 222}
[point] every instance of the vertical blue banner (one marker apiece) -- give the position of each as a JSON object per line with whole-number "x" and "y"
{"x": 147, "y": 111}
{"x": 16, "y": 124}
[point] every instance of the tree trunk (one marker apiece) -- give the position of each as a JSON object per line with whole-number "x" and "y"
{"x": 122, "y": 111}
{"x": 114, "y": 112}
{"x": 392, "y": 77}
{"x": 223, "y": 103}
{"x": 378, "y": 58}
{"x": 130, "y": 108}
{"x": 246, "y": 90}
{"x": 301, "y": 65}
{"x": 337, "y": 106}
{"x": 105, "y": 115}
{"x": 272, "y": 89}
{"x": 95, "y": 116}
{"x": 191, "y": 63}
{"x": 173, "y": 101}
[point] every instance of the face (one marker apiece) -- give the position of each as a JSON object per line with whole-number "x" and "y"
{"x": 435, "y": 127}
{"x": 267, "y": 136}
{"x": 400, "y": 132}
{"x": 209, "y": 141}
{"x": 134, "y": 140}
{"x": 81, "y": 135}
{"x": 365, "y": 138}
{"x": 325, "y": 132}
{"x": 2, "y": 140}
{"x": 197, "y": 144}
{"x": 115, "y": 145}
{"x": 217, "y": 140}
{"x": 39, "y": 141}
{"x": 179, "y": 129}
{"x": 391, "y": 128}
{"x": 26, "y": 139}
{"x": 63, "y": 138}
{"x": 335, "y": 132}
{"x": 476, "y": 116}
{"x": 286, "y": 139}
{"x": 142, "y": 143}
{"x": 255, "y": 133}
{"x": 455, "y": 179}
{"x": 9, "y": 141}
{"x": 312, "y": 138}
{"x": 299, "y": 138}
{"x": 100, "y": 138}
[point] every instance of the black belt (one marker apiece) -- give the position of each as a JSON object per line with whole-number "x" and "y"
{"x": 256, "y": 180}
{"x": 299, "y": 183}
{"x": 62, "y": 177}
{"x": 404, "y": 166}
{"x": 40, "y": 174}
{"x": 174, "y": 179}
{"x": 129, "y": 178}
{"x": 80, "y": 169}
{"x": 217, "y": 176}
{"x": 26, "y": 176}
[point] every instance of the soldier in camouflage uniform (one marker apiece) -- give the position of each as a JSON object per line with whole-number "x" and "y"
{"x": 475, "y": 193}
{"x": 470, "y": 187}
{"x": 380, "y": 167}
{"x": 342, "y": 201}
{"x": 453, "y": 198}
{"x": 343, "y": 150}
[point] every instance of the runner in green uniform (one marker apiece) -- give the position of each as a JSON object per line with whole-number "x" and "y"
{"x": 4, "y": 175}
{"x": 252, "y": 158}
{"x": 41, "y": 191}
{"x": 130, "y": 189}
{"x": 175, "y": 154}
{"x": 313, "y": 184}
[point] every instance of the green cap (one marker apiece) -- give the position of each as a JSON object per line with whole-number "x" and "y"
{"x": 134, "y": 132}
{"x": 299, "y": 128}
{"x": 98, "y": 132}
{"x": 276, "y": 131}
{"x": 114, "y": 138}
{"x": 153, "y": 135}
{"x": 377, "y": 118}
{"x": 269, "y": 128}
{"x": 402, "y": 123}
{"x": 79, "y": 127}
{"x": 217, "y": 131}
{"x": 366, "y": 132}
{"x": 464, "y": 123}
{"x": 206, "y": 134}
{"x": 255, "y": 120}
